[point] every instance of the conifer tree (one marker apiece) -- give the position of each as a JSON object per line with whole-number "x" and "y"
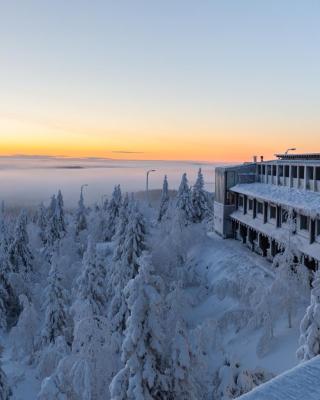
{"x": 199, "y": 199}
{"x": 310, "y": 325}
{"x": 113, "y": 210}
{"x": 55, "y": 306}
{"x": 121, "y": 228}
{"x": 143, "y": 375}
{"x": 9, "y": 303}
{"x": 56, "y": 227}
{"x": 184, "y": 202}
{"x": 60, "y": 213}
{"x": 164, "y": 201}
{"x": 81, "y": 218}
{"x": 42, "y": 221}
{"x": 5, "y": 391}
{"x": 19, "y": 255}
{"x": 126, "y": 265}
{"x": 92, "y": 282}
{"x": 183, "y": 386}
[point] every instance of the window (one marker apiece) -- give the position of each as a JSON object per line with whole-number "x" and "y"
{"x": 273, "y": 212}
{"x": 259, "y": 207}
{"x": 274, "y": 170}
{"x": 301, "y": 172}
{"x": 304, "y": 223}
{"x": 294, "y": 171}
{"x": 286, "y": 171}
{"x": 240, "y": 202}
{"x": 250, "y": 204}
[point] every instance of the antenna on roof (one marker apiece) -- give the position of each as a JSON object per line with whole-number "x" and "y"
{"x": 292, "y": 149}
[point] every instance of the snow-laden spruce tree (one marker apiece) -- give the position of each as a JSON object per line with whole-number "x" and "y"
{"x": 91, "y": 294}
{"x": 41, "y": 221}
{"x": 126, "y": 266}
{"x": 9, "y": 304}
{"x": 310, "y": 325}
{"x": 4, "y": 234}
{"x": 81, "y": 215}
{"x": 143, "y": 376}
{"x": 19, "y": 254}
{"x": 184, "y": 204}
{"x": 113, "y": 210}
{"x": 56, "y": 227}
{"x": 23, "y": 335}
{"x": 5, "y": 391}
{"x": 60, "y": 212}
{"x": 56, "y": 318}
{"x": 120, "y": 234}
{"x": 199, "y": 199}
{"x": 164, "y": 201}
{"x": 183, "y": 385}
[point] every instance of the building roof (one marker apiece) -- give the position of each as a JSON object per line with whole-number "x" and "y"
{"x": 305, "y": 201}
{"x": 299, "y": 383}
{"x": 295, "y": 156}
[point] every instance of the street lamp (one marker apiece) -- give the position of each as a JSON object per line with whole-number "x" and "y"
{"x": 147, "y": 184}
{"x": 287, "y": 151}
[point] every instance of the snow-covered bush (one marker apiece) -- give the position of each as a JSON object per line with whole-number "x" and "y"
{"x": 310, "y": 325}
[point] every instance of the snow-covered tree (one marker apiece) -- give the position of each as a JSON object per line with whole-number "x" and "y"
{"x": 164, "y": 201}
{"x": 85, "y": 373}
{"x": 120, "y": 234}
{"x": 91, "y": 285}
{"x": 135, "y": 238}
{"x": 56, "y": 227}
{"x": 56, "y": 318}
{"x": 41, "y": 221}
{"x": 143, "y": 375}
{"x": 199, "y": 199}
{"x": 290, "y": 280}
{"x": 234, "y": 380}
{"x": 60, "y": 212}
{"x": 310, "y": 325}
{"x": 184, "y": 202}
{"x": 126, "y": 265}
{"x": 5, "y": 391}
{"x": 183, "y": 385}
{"x": 19, "y": 254}
{"x": 113, "y": 210}
{"x": 9, "y": 304}
{"x": 23, "y": 335}
{"x": 81, "y": 215}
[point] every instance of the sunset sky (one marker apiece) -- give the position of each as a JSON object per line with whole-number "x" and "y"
{"x": 171, "y": 79}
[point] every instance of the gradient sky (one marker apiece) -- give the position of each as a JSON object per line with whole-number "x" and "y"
{"x": 201, "y": 80}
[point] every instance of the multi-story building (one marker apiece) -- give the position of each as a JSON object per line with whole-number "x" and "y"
{"x": 266, "y": 204}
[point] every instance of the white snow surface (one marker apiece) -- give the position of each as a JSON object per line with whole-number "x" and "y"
{"x": 303, "y": 200}
{"x": 299, "y": 383}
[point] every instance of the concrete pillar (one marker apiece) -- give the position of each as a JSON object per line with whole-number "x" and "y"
{"x": 290, "y": 176}
{"x": 305, "y": 184}
{"x": 265, "y": 212}
{"x": 277, "y": 174}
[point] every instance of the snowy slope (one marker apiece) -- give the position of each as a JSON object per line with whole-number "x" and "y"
{"x": 300, "y": 383}
{"x": 219, "y": 259}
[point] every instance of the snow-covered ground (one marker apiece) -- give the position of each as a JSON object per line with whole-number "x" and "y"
{"x": 219, "y": 259}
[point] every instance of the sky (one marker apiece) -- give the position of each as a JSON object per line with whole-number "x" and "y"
{"x": 170, "y": 79}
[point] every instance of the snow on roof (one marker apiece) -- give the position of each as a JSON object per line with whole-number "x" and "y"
{"x": 299, "y": 383}
{"x": 302, "y": 200}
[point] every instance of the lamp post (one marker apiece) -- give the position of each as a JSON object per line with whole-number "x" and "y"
{"x": 147, "y": 184}
{"x": 292, "y": 149}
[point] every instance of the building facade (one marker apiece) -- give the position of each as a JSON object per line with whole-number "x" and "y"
{"x": 269, "y": 203}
